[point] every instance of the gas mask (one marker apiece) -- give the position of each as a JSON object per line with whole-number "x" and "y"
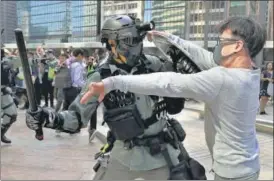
{"x": 124, "y": 53}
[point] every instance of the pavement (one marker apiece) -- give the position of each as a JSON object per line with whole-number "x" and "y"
{"x": 57, "y": 157}
{"x": 269, "y": 116}
{"x": 199, "y": 106}
{"x": 70, "y": 157}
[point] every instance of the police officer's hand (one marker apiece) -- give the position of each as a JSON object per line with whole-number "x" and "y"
{"x": 35, "y": 121}
{"x": 43, "y": 117}
{"x": 94, "y": 89}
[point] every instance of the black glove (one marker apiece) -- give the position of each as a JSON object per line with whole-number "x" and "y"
{"x": 45, "y": 117}
{"x": 174, "y": 105}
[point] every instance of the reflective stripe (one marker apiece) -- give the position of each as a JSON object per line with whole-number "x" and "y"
{"x": 7, "y": 106}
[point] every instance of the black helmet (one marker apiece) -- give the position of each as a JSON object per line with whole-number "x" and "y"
{"x": 128, "y": 34}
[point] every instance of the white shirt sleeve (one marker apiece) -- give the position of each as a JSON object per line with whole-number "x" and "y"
{"x": 203, "y": 86}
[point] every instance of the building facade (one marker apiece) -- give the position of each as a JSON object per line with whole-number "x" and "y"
{"x": 8, "y": 20}
{"x": 203, "y": 18}
{"x": 270, "y": 21}
{"x": 132, "y": 8}
{"x": 83, "y": 21}
{"x": 168, "y": 16}
{"x": 57, "y": 21}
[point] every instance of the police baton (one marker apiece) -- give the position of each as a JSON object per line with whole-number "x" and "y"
{"x": 27, "y": 75}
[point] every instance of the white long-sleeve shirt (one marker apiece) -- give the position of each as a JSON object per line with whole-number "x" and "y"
{"x": 231, "y": 97}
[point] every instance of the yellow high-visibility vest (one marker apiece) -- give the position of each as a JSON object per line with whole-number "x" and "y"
{"x": 51, "y": 73}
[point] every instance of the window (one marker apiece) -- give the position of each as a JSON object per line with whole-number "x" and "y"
{"x": 195, "y": 17}
{"x": 133, "y": 14}
{"x": 200, "y": 17}
{"x": 130, "y": 6}
{"x": 200, "y": 5}
{"x": 191, "y": 30}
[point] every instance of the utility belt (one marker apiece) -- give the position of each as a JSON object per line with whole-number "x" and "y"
{"x": 173, "y": 134}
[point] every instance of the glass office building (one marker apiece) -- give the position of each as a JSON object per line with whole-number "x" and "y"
{"x": 168, "y": 16}
{"x": 57, "y": 21}
{"x": 8, "y": 21}
{"x": 203, "y": 18}
{"x": 83, "y": 21}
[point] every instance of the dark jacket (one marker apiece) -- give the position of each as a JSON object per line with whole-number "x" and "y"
{"x": 62, "y": 77}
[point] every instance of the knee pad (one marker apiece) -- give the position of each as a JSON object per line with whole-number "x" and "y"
{"x": 6, "y": 90}
{"x": 13, "y": 118}
{"x": 7, "y": 120}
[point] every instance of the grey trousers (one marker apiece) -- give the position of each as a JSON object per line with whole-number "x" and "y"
{"x": 8, "y": 110}
{"x": 116, "y": 171}
{"x": 254, "y": 176}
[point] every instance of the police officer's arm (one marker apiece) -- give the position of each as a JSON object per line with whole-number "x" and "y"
{"x": 203, "y": 86}
{"x": 154, "y": 64}
{"x": 78, "y": 115}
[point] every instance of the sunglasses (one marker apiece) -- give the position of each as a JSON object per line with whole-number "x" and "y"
{"x": 227, "y": 41}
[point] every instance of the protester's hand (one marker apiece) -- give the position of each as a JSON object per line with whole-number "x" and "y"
{"x": 94, "y": 89}
{"x": 150, "y": 34}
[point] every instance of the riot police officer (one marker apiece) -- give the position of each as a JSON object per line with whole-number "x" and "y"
{"x": 8, "y": 107}
{"x": 142, "y": 141}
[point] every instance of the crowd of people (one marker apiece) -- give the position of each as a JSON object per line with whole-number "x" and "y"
{"x": 59, "y": 76}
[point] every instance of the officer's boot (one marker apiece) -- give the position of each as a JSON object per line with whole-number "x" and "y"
{"x": 4, "y": 129}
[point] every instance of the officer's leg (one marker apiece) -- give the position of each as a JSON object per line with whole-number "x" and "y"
{"x": 92, "y": 126}
{"x": 155, "y": 174}
{"x": 9, "y": 115}
{"x": 116, "y": 171}
{"x": 100, "y": 174}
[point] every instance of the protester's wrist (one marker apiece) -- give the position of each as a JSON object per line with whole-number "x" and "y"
{"x": 108, "y": 85}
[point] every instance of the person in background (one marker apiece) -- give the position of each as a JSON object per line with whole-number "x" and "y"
{"x": 40, "y": 52}
{"x": 62, "y": 80}
{"x": 266, "y": 78}
{"x": 96, "y": 55}
{"x": 77, "y": 71}
{"x": 93, "y": 120}
{"x": 90, "y": 64}
{"x": 48, "y": 76}
{"x": 69, "y": 51}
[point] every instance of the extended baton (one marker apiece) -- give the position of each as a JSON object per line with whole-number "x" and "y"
{"x": 27, "y": 76}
